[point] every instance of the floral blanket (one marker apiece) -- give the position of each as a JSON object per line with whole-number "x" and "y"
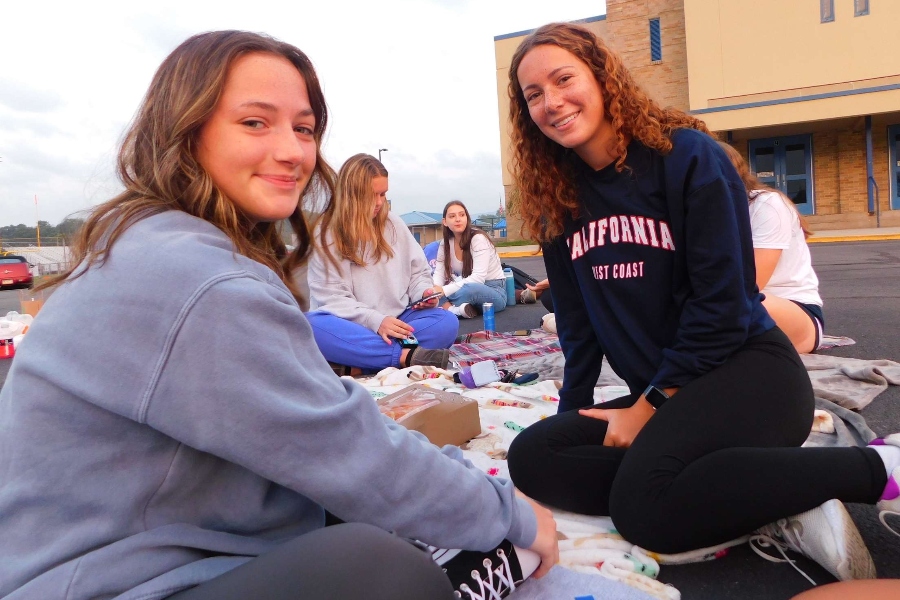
{"x": 591, "y": 546}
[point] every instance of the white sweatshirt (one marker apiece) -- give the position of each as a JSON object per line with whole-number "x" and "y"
{"x": 366, "y": 295}
{"x": 485, "y": 265}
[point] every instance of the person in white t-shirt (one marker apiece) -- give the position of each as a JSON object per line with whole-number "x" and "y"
{"x": 468, "y": 271}
{"x": 784, "y": 271}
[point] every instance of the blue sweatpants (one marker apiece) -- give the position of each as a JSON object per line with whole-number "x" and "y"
{"x": 348, "y": 343}
{"x": 493, "y": 290}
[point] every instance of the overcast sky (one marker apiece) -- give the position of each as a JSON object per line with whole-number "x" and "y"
{"x": 414, "y": 76}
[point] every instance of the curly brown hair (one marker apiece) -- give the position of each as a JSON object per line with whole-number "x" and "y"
{"x": 158, "y": 166}
{"x": 542, "y": 169}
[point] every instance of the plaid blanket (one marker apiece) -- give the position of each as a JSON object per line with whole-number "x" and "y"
{"x": 502, "y": 348}
{"x": 506, "y": 348}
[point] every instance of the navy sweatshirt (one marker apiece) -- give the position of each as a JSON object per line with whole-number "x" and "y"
{"x": 657, "y": 272}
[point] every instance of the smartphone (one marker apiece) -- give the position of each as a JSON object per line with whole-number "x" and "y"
{"x": 522, "y": 332}
{"x": 526, "y": 378}
{"x": 423, "y": 299}
{"x": 409, "y": 342}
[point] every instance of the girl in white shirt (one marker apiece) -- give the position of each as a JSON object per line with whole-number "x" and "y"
{"x": 469, "y": 273}
{"x": 784, "y": 270}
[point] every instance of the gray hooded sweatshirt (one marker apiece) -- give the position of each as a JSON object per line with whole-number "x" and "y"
{"x": 168, "y": 417}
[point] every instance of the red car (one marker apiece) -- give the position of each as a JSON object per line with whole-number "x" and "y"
{"x": 15, "y": 272}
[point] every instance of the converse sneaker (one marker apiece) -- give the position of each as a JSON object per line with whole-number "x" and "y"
{"x": 488, "y": 575}
{"x": 825, "y": 534}
{"x": 464, "y": 311}
{"x": 889, "y": 504}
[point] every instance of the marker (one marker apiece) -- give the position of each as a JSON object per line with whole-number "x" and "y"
{"x": 514, "y": 426}
{"x": 512, "y": 403}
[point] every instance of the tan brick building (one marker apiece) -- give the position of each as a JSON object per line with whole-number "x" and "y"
{"x": 807, "y": 90}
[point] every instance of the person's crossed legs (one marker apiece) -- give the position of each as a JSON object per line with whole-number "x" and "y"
{"x": 348, "y": 343}
{"x": 717, "y": 461}
{"x": 352, "y": 561}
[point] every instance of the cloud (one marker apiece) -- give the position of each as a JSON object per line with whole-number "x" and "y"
{"x": 414, "y": 76}
{"x": 158, "y": 34}
{"x": 19, "y": 96}
{"x": 428, "y": 183}
{"x": 26, "y": 125}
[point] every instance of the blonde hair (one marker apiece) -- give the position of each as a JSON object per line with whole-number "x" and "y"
{"x": 542, "y": 169}
{"x": 356, "y": 236}
{"x": 752, "y": 183}
{"x": 158, "y": 166}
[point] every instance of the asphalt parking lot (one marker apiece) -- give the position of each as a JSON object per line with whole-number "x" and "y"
{"x": 860, "y": 285}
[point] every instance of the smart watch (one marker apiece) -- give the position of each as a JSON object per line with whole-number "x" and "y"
{"x": 655, "y": 396}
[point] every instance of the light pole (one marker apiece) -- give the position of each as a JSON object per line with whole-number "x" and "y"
{"x": 380, "y": 150}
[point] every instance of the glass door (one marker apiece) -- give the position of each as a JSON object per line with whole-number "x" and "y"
{"x": 894, "y": 152}
{"x": 785, "y": 163}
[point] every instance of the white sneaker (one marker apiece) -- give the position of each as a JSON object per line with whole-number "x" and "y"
{"x": 464, "y": 311}
{"x": 825, "y": 534}
{"x": 889, "y": 504}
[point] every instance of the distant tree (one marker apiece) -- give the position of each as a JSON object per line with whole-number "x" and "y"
{"x": 69, "y": 226}
{"x": 51, "y": 235}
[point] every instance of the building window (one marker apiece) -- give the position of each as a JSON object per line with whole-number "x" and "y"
{"x": 860, "y": 8}
{"x": 655, "y": 41}
{"x": 826, "y": 10}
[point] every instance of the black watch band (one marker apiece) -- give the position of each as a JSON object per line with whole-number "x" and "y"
{"x": 655, "y": 396}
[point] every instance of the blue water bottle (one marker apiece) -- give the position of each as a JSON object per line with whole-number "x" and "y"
{"x": 488, "y": 312}
{"x": 510, "y": 287}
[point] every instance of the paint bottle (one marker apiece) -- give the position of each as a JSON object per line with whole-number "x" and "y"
{"x": 8, "y": 330}
{"x": 488, "y": 313}
{"x": 510, "y": 286}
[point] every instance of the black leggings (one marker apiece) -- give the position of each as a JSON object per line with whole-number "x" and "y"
{"x": 547, "y": 300}
{"x": 351, "y": 562}
{"x": 717, "y": 461}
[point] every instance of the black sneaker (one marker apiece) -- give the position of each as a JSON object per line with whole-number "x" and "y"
{"x": 339, "y": 369}
{"x": 492, "y": 574}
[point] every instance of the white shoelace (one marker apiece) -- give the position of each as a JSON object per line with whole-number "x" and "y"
{"x": 882, "y": 516}
{"x": 486, "y": 589}
{"x": 765, "y": 541}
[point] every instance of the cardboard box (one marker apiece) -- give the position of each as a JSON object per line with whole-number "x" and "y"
{"x": 443, "y": 417}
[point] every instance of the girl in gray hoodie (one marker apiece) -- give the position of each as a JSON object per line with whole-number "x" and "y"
{"x": 169, "y": 428}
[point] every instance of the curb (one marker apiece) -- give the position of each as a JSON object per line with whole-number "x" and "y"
{"x": 520, "y": 254}
{"x": 853, "y": 238}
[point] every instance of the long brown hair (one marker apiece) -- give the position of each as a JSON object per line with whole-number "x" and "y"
{"x": 356, "y": 236}
{"x": 752, "y": 183}
{"x": 465, "y": 242}
{"x": 542, "y": 169}
{"x": 158, "y": 166}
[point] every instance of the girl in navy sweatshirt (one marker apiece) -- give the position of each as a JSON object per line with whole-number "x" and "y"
{"x": 648, "y": 250}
